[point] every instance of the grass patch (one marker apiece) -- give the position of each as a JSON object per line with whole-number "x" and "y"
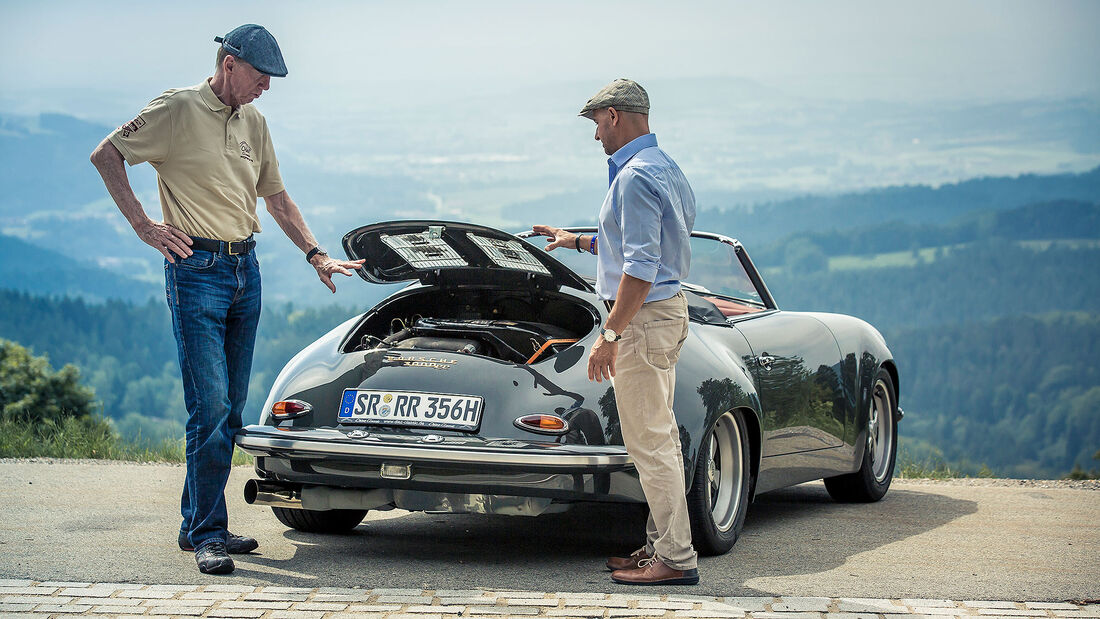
{"x": 1080, "y": 473}
{"x": 880, "y": 261}
{"x": 932, "y": 467}
{"x": 90, "y": 438}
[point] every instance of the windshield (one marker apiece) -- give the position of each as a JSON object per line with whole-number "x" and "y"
{"x": 715, "y": 268}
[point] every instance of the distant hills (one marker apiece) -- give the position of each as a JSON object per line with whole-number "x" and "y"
{"x": 1058, "y": 219}
{"x": 913, "y": 204}
{"x": 36, "y": 270}
{"x": 44, "y": 165}
{"x": 55, "y": 200}
{"x": 987, "y": 290}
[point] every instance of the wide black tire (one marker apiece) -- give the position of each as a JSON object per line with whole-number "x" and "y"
{"x": 328, "y": 521}
{"x": 719, "y": 494}
{"x": 872, "y": 480}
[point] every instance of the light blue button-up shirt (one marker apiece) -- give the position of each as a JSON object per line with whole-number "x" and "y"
{"x": 645, "y": 222}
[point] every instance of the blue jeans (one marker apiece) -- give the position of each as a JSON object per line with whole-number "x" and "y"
{"x": 215, "y": 303}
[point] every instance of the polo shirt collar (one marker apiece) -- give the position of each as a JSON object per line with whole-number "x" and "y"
{"x": 209, "y": 98}
{"x": 627, "y": 152}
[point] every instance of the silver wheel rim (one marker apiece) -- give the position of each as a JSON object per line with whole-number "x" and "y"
{"x": 880, "y": 430}
{"x": 724, "y": 477}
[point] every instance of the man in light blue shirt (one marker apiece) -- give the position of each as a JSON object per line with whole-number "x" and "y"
{"x": 643, "y": 251}
{"x": 648, "y": 239}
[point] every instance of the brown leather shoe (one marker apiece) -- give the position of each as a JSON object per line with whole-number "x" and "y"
{"x": 655, "y": 572}
{"x": 627, "y": 563}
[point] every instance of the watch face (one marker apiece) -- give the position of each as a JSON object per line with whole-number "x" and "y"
{"x": 610, "y": 335}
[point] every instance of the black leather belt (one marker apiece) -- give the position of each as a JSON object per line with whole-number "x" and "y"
{"x": 233, "y": 248}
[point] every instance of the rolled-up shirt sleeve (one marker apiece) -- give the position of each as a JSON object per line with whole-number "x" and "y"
{"x": 640, "y": 220}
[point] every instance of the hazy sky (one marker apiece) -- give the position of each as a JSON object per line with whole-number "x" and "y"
{"x": 888, "y": 50}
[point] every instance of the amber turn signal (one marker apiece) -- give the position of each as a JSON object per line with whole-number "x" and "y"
{"x": 289, "y": 409}
{"x": 542, "y": 423}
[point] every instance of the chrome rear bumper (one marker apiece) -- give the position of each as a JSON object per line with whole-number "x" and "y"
{"x": 434, "y": 463}
{"x": 269, "y": 441}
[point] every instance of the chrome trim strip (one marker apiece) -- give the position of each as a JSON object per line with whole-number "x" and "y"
{"x": 607, "y": 455}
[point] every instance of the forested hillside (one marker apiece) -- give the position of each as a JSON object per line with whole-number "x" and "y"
{"x": 126, "y": 353}
{"x": 993, "y": 316}
{"x": 1020, "y": 394}
{"x": 994, "y": 320}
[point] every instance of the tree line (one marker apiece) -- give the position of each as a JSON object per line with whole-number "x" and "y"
{"x": 996, "y": 341}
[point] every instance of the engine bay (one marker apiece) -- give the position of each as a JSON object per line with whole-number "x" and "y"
{"x": 514, "y": 326}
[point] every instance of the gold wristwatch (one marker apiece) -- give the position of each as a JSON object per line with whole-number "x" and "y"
{"x": 610, "y": 335}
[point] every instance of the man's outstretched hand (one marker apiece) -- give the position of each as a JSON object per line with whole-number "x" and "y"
{"x": 556, "y": 237}
{"x": 327, "y": 266}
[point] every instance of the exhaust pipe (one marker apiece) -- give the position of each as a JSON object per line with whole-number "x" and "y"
{"x": 259, "y": 492}
{"x": 315, "y": 498}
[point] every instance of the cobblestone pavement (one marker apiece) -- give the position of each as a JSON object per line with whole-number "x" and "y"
{"x": 27, "y": 598}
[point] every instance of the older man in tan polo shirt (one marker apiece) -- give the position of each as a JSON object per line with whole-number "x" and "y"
{"x": 214, "y": 158}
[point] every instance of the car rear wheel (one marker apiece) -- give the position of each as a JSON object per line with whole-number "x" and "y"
{"x": 328, "y": 521}
{"x": 719, "y": 495}
{"x": 872, "y": 480}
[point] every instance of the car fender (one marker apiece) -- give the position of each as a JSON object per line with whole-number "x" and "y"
{"x": 714, "y": 355}
{"x": 864, "y": 352}
{"x": 312, "y": 365}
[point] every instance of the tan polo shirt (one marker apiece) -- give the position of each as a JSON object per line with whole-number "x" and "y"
{"x": 212, "y": 161}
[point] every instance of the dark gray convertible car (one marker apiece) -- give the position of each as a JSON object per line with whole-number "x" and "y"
{"x": 467, "y": 391}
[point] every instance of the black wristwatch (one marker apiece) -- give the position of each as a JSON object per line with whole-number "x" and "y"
{"x": 313, "y": 252}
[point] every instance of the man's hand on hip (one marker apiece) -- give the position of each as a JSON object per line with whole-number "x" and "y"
{"x": 601, "y": 360}
{"x": 166, "y": 239}
{"x": 556, "y": 237}
{"x": 327, "y": 266}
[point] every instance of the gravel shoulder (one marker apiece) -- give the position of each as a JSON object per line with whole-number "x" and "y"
{"x": 991, "y": 482}
{"x": 976, "y": 539}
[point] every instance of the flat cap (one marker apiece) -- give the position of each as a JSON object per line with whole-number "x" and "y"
{"x": 622, "y": 94}
{"x": 255, "y": 45}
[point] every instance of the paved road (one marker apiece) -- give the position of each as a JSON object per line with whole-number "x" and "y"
{"x": 115, "y": 523}
{"x": 24, "y": 599}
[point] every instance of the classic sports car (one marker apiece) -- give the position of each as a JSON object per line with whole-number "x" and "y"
{"x": 467, "y": 391}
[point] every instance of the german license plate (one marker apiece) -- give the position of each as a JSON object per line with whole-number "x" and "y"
{"x": 410, "y": 409}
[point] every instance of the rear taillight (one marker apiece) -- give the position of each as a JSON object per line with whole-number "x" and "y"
{"x": 542, "y": 423}
{"x": 289, "y": 409}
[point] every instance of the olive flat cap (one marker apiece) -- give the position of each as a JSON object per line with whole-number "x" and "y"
{"x": 253, "y": 44}
{"x": 622, "y": 94}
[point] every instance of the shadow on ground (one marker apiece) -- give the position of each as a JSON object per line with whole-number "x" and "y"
{"x": 793, "y": 531}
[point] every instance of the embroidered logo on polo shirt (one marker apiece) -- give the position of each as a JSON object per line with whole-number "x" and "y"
{"x": 132, "y": 126}
{"x": 246, "y": 151}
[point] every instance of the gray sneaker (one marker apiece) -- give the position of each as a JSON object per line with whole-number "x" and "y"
{"x": 234, "y": 544}
{"x": 213, "y": 559}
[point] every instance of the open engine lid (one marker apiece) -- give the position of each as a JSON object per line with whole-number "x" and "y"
{"x": 452, "y": 253}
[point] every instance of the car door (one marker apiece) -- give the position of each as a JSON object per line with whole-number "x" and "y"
{"x": 794, "y": 358}
{"x": 796, "y": 366}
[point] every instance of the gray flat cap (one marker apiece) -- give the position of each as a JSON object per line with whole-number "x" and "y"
{"x": 622, "y": 94}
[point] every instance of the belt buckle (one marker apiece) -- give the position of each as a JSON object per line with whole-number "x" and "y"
{"x": 235, "y": 253}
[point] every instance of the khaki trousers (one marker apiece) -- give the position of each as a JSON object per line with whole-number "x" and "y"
{"x": 645, "y": 377}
